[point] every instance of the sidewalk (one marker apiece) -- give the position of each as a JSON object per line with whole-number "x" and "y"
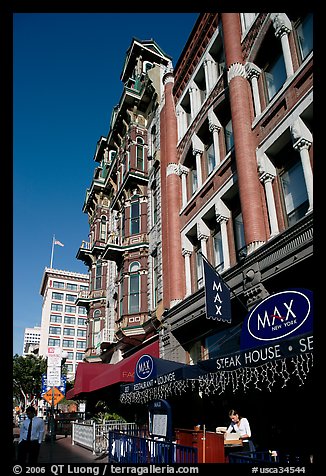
{"x": 63, "y": 451}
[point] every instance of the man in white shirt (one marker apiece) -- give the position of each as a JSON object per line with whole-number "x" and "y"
{"x": 30, "y": 438}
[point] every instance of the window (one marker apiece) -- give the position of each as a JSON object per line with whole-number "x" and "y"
{"x": 55, "y": 318}
{"x": 275, "y": 76}
{"x": 57, "y": 296}
{"x": 228, "y": 133}
{"x": 73, "y": 287}
{"x": 79, "y": 355}
{"x": 240, "y": 243}
{"x": 135, "y": 216}
{"x": 103, "y": 229}
{"x": 82, "y": 310}
{"x": 83, "y": 288}
{"x": 55, "y": 330}
{"x": 70, "y": 355}
{"x": 71, "y": 297}
{"x": 56, "y": 307}
{"x": 81, "y": 333}
{"x": 194, "y": 180}
{"x": 69, "y": 320}
{"x": 81, "y": 321}
{"x": 121, "y": 298}
{"x": 134, "y": 288}
{"x": 68, "y": 331}
{"x": 58, "y": 284}
{"x": 68, "y": 343}
{"x": 70, "y": 368}
{"x": 140, "y": 153}
{"x": 199, "y": 267}
{"x": 218, "y": 251}
{"x": 71, "y": 309}
{"x": 81, "y": 344}
{"x": 98, "y": 275}
{"x": 154, "y": 203}
{"x": 210, "y": 158}
{"x": 294, "y": 193}
{"x": 305, "y": 36}
{"x": 97, "y": 313}
{"x": 53, "y": 342}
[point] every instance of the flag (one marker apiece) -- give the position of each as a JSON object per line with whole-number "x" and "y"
{"x": 57, "y": 242}
{"x": 217, "y": 295}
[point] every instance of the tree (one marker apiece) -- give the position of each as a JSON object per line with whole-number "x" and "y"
{"x": 27, "y": 376}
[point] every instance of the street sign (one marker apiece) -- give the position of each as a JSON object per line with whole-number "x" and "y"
{"x": 54, "y": 360}
{"x": 57, "y": 396}
{"x": 54, "y": 351}
{"x": 61, "y": 387}
{"x": 53, "y": 376}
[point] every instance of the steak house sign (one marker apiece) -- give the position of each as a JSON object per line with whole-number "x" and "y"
{"x": 280, "y": 326}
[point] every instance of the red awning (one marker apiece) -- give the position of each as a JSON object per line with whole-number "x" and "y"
{"x": 91, "y": 377}
{"x": 124, "y": 370}
{"x": 84, "y": 373}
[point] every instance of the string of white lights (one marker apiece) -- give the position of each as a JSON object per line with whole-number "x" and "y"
{"x": 295, "y": 369}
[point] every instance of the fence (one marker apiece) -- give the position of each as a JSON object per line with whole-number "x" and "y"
{"x": 123, "y": 448}
{"x": 93, "y": 436}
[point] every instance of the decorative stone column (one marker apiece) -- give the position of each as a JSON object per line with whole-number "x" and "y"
{"x": 183, "y": 171}
{"x": 197, "y": 150}
{"x": 187, "y": 253}
{"x": 282, "y": 26}
{"x": 245, "y": 154}
{"x": 222, "y": 215}
{"x": 202, "y": 235}
{"x": 210, "y": 78}
{"x": 214, "y": 126}
{"x": 253, "y": 73}
{"x": 267, "y": 174}
{"x": 194, "y": 99}
{"x": 302, "y": 140}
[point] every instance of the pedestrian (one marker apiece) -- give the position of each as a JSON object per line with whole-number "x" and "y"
{"x": 241, "y": 426}
{"x": 31, "y": 437}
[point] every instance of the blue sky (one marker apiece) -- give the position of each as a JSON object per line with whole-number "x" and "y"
{"x": 66, "y": 80}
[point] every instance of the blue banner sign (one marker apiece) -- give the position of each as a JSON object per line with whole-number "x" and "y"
{"x": 45, "y": 387}
{"x": 217, "y": 295}
{"x": 282, "y": 315}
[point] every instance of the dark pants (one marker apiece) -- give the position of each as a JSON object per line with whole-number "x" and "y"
{"x": 28, "y": 452}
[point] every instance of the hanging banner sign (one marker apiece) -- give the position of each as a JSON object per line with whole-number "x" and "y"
{"x": 279, "y": 316}
{"x": 217, "y": 295}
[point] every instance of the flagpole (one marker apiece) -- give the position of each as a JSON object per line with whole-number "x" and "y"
{"x": 226, "y": 284}
{"x": 52, "y": 252}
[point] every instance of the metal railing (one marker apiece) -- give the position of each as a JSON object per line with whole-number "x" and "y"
{"x": 124, "y": 448}
{"x": 93, "y": 436}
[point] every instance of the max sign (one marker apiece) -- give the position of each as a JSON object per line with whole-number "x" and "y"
{"x": 145, "y": 368}
{"x": 282, "y": 315}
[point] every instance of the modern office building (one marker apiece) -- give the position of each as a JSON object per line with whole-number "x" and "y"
{"x": 211, "y": 160}
{"x": 32, "y": 337}
{"x": 63, "y": 322}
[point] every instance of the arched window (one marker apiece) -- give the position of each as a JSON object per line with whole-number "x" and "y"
{"x": 134, "y": 288}
{"x": 140, "y": 153}
{"x": 96, "y": 328}
{"x": 103, "y": 228}
{"x": 146, "y": 66}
